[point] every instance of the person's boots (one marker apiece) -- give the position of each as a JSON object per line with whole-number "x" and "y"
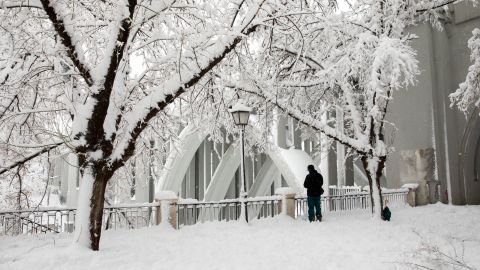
{"x": 319, "y": 218}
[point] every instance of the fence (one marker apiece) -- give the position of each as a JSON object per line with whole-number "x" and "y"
{"x": 33, "y": 221}
{"x": 59, "y": 220}
{"x": 37, "y": 221}
{"x": 335, "y": 190}
{"x": 134, "y": 216}
{"x": 359, "y": 200}
{"x": 190, "y": 213}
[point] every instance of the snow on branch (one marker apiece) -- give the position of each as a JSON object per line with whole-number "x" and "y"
{"x": 91, "y": 124}
{"x": 396, "y": 59}
{"x": 468, "y": 93}
{"x": 68, "y": 39}
{"x": 167, "y": 92}
{"x": 427, "y": 5}
{"x": 29, "y": 157}
{"x": 304, "y": 118}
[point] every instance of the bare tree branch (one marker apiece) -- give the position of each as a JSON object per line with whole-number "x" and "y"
{"x": 28, "y": 158}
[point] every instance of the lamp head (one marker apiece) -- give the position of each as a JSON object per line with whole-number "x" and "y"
{"x": 240, "y": 113}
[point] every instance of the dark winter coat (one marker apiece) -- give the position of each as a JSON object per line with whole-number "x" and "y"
{"x": 386, "y": 214}
{"x": 313, "y": 183}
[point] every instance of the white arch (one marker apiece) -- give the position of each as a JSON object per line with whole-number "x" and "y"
{"x": 179, "y": 159}
{"x": 264, "y": 179}
{"x": 223, "y": 175}
{"x": 290, "y": 163}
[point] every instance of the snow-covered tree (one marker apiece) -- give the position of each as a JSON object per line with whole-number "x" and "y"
{"x": 346, "y": 65}
{"x": 92, "y": 75}
{"x": 338, "y": 73}
{"x": 467, "y": 96}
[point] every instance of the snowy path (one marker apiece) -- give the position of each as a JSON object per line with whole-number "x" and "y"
{"x": 344, "y": 241}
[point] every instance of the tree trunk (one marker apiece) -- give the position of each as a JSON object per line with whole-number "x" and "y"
{"x": 82, "y": 223}
{"x": 88, "y": 221}
{"x": 96, "y": 214}
{"x": 374, "y": 170}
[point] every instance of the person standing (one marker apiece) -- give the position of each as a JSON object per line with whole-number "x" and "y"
{"x": 313, "y": 183}
{"x": 386, "y": 213}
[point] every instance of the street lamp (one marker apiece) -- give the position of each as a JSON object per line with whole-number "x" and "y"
{"x": 240, "y": 114}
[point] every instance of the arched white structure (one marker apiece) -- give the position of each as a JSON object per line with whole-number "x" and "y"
{"x": 179, "y": 159}
{"x": 291, "y": 163}
{"x": 264, "y": 179}
{"x": 216, "y": 181}
{"x": 223, "y": 175}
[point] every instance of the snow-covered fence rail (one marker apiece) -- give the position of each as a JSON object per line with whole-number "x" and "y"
{"x": 42, "y": 220}
{"x": 33, "y": 221}
{"x": 335, "y": 190}
{"x": 190, "y": 213}
{"x": 352, "y": 201}
{"x": 130, "y": 216}
{"x": 396, "y": 198}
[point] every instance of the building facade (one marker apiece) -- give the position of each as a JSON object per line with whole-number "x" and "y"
{"x": 434, "y": 142}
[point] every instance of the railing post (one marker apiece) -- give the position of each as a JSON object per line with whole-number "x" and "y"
{"x": 167, "y": 210}
{"x": 288, "y": 201}
{"x": 411, "y": 194}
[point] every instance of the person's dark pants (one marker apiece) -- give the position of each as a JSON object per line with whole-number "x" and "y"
{"x": 314, "y": 208}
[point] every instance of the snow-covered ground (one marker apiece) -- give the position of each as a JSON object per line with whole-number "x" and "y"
{"x": 349, "y": 240}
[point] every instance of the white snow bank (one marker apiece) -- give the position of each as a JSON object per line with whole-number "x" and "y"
{"x": 275, "y": 243}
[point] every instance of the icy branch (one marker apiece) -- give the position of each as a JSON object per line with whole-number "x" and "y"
{"x": 28, "y": 158}
{"x": 468, "y": 93}
{"x": 304, "y": 118}
{"x": 148, "y": 107}
{"x": 68, "y": 40}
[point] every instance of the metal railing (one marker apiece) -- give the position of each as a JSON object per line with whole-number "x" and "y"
{"x": 354, "y": 201}
{"x": 191, "y": 213}
{"x": 334, "y": 190}
{"x": 58, "y": 220}
{"x": 33, "y": 221}
{"x": 130, "y": 216}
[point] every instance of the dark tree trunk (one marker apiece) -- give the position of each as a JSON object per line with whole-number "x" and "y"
{"x": 369, "y": 177}
{"x": 96, "y": 213}
{"x": 101, "y": 173}
{"x": 378, "y": 175}
{"x": 374, "y": 180}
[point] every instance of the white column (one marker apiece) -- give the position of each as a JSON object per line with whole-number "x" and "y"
{"x": 207, "y": 172}
{"x": 297, "y": 135}
{"x": 280, "y": 140}
{"x": 340, "y": 149}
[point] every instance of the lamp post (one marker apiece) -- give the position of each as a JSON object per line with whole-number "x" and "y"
{"x": 240, "y": 114}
